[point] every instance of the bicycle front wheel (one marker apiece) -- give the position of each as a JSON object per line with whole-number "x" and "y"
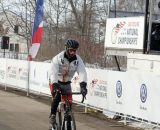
{"x": 69, "y": 122}
{"x": 58, "y": 120}
{"x": 73, "y": 122}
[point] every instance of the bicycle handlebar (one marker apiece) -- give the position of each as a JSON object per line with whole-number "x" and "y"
{"x": 76, "y": 93}
{"x": 83, "y": 96}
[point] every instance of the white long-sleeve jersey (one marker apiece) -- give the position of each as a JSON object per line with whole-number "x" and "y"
{"x": 63, "y": 70}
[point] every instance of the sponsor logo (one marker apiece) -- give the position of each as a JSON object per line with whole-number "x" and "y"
{"x": 2, "y": 74}
{"x": 143, "y": 93}
{"x": 116, "y": 30}
{"x": 75, "y": 63}
{"x": 119, "y": 89}
{"x": 92, "y": 86}
{"x": 151, "y": 65}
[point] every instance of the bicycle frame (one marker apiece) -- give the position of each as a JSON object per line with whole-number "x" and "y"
{"x": 65, "y": 117}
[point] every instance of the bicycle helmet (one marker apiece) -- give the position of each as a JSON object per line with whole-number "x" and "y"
{"x": 72, "y": 44}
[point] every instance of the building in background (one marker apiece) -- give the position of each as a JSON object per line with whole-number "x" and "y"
{"x": 13, "y": 27}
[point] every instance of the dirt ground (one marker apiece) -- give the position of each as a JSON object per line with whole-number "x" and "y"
{"x": 17, "y": 112}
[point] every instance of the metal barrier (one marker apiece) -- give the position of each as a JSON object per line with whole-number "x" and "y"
{"x": 14, "y": 55}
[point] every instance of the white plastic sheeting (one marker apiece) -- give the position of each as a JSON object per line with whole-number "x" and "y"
{"x": 132, "y": 93}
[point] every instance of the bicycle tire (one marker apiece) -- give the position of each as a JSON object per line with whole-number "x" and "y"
{"x": 69, "y": 122}
{"x": 58, "y": 120}
{"x": 66, "y": 124}
{"x": 73, "y": 124}
{"x": 69, "y": 127}
{"x": 62, "y": 119}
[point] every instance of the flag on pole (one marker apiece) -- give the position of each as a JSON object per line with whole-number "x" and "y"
{"x": 37, "y": 30}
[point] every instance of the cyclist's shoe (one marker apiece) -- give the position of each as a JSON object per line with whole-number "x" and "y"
{"x": 52, "y": 121}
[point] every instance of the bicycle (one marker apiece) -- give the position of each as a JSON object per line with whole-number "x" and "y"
{"x": 64, "y": 117}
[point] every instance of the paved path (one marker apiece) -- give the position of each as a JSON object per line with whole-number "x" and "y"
{"x": 22, "y": 113}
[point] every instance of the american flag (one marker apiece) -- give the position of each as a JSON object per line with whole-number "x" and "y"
{"x": 37, "y": 29}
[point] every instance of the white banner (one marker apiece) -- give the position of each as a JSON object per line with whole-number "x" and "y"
{"x": 17, "y": 73}
{"x": 97, "y": 87}
{"x": 132, "y": 93}
{"x": 2, "y": 70}
{"x": 12, "y": 72}
{"x": 35, "y": 76}
{"x": 124, "y": 33}
{"x": 44, "y": 77}
{"x": 143, "y": 95}
{"x": 143, "y": 63}
{"x": 117, "y": 95}
{"x": 22, "y": 74}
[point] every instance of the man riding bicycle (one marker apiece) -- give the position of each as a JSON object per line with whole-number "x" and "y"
{"x": 63, "y": 67}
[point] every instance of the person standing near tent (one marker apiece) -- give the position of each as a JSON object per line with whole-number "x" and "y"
{"x": 63, "y": 67}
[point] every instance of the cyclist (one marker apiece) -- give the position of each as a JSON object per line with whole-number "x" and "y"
{"x": 63, "y": 67}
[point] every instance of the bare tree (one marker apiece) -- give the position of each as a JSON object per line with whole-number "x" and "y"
{"x": 81, "y": 20}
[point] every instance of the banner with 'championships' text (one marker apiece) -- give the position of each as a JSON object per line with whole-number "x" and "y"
{"x": 125, "y": 33}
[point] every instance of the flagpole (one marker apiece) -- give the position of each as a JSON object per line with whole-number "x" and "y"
{"x": 28, "y": 52}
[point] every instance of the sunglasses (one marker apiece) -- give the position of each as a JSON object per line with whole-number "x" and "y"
{"x": 72, "y": 50}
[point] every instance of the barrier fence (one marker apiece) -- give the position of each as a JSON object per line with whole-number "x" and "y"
{"x": 131, "y": 94}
